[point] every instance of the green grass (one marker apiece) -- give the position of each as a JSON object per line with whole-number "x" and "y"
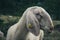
{"x": 53, "y": 36}
{"x": 56, "y": 22}
{"x": 8, "y": 18}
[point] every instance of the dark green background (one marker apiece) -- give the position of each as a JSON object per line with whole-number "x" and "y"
{"x": 17, "y": 7}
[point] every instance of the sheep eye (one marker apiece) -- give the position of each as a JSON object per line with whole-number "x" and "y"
{"x": 37, "y": 13}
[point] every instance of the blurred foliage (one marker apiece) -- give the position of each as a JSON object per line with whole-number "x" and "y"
{"x": 6, "y": 22}
{"x": 57, "y": 27}
{"x": 56, "y": 22}
{"x": 53, "y": 36}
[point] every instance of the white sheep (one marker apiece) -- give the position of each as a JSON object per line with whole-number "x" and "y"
{"x": 30, "y": 21}
{"x": 1, "y": 35}
{"x": 31, "y": 36}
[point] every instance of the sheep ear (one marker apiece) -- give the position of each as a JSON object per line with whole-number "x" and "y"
{"x": 31, "y": 19}
{"x": 28, "y": 20}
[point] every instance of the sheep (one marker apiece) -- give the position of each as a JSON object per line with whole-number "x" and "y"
{"x": 1, "y": 35}
{"x": 31, "y": 36}
{"x": 30, "y": 21}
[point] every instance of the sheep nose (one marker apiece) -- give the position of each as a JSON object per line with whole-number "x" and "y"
{"x": 51, "y": 28}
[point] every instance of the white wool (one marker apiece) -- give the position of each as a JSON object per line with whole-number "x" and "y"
{"x": 31, "y": 36}
{"x": 1, "y": 35}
